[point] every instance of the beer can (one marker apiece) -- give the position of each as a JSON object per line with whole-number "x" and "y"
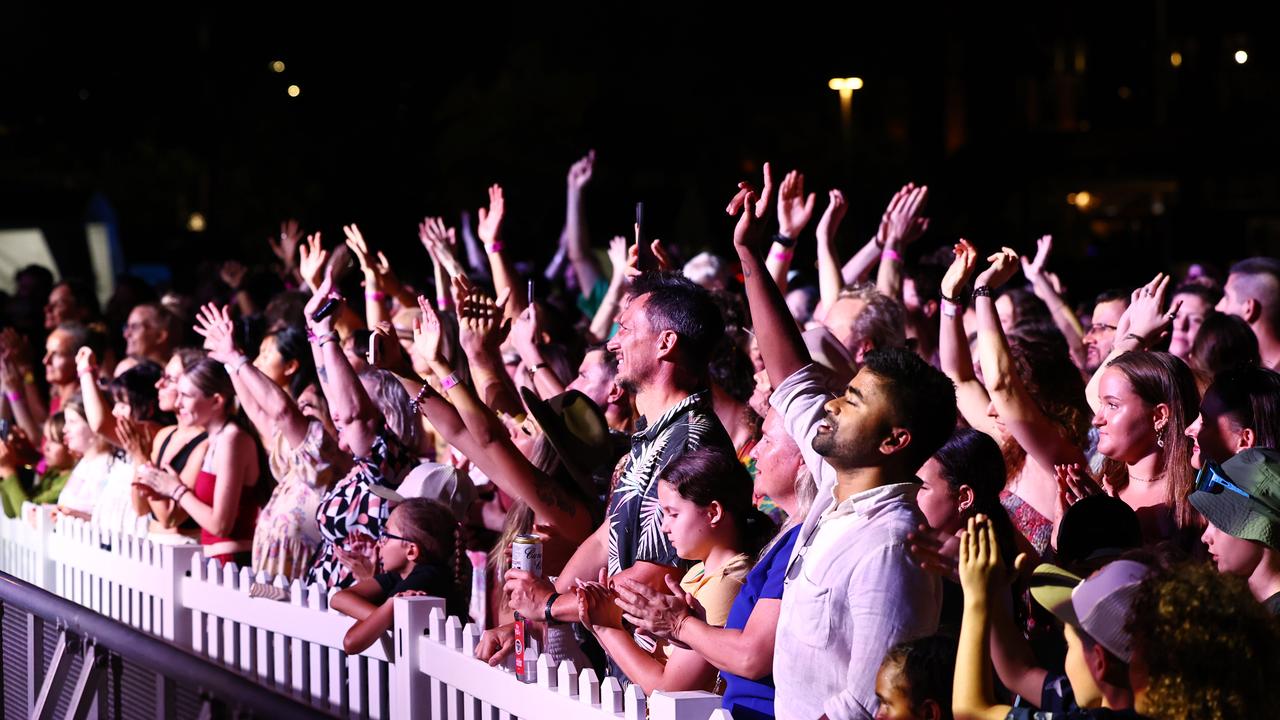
{"x": 526, "y": 554}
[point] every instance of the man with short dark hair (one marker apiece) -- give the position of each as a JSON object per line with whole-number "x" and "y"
{"x": 852, "y": 589}
{"x": 148, "y": 333}
{"x": 1253, "y": 294}
{"x": 1100, "y": 337}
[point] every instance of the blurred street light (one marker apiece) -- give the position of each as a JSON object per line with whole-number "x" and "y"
{"x": 294, "y": 91}
{"x": 1175, "y": 58}
{"x": 1242, "y": 57}
{"x": 277, "y": 66}
{"x": 846, "y": 86}
{"x": 196, "y": 223}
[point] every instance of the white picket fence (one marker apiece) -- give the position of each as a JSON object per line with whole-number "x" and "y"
{"x": 426, "y": 670}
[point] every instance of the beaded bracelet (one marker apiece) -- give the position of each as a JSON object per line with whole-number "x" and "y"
{"x": 983, "y": 291}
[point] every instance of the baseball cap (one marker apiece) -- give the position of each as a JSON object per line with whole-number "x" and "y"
{"x": 1098, "y": 605}
{"x": 1242, "y": 496}
{"x": 444, "y": 484}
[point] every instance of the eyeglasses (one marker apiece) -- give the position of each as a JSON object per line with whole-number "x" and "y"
{"x": 1097, "y": 328}
{"x": 1211, "y": 479}
{"x": 388, "y": 535}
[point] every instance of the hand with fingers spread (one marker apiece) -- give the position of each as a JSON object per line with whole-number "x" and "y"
{"x": 214, "y": 324}
{"x": 618, "y": 258}
{"x": 794, "y": 208}
{"x": 312, "y": 261}
{"x": 286, "y": 246}
{"x": 441, "y": 243}
{"x": 1074, "y": 484}
{"x": 633, "y": 258}
{"x": 481, "y": 323}
{"x": 657, "y": 613}
{"x": 831, "y": 217}
{"x": 489, "y": 228}
{"x": 377, "y": 270}
{"x": 428, "y": 343}
{"x": 1003, "y": 265}
{"x": 360, "y": 555}
{"x": 957, "y": 276}
{"x": 903, "y": 222}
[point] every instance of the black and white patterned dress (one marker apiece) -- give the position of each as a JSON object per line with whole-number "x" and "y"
{"x": 349, "y": 507}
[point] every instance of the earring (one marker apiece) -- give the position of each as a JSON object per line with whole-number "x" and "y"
{"x": 1159, "y": 438}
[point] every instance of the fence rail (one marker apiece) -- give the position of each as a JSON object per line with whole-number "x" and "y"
{"x": 425, "y": 670}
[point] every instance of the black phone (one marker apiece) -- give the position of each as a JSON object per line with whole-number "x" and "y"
{"x": 326, "y": 309}
{"x": 646, "y": 259}
{"x": 4, "y": 430}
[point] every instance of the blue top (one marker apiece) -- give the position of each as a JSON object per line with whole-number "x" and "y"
{"x": 753, "y": 699}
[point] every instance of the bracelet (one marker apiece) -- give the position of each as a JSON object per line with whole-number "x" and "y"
{"x": 1142, "y": 342}
{"x": 953, "y": 300}
{"x": 782, "y": 255}
{"x": 327, "y": 337}
{"x": 236, "y": 363}
{"x": 983, "y": 291}
{"x": 493, "y": 247}
{"x": 13, "y": 396}
{"x": 546, "y": 611}
{"x": 86, "y": 371}
{"x": 450, "y": 381}
{"x": 375, "y": 295}
{"x": 534, "y": 370}
{"x": 784, "y": 241}
{"x": 177, "y": 494}
{"x": 949, "y": 308}
{"x": 890, "y": 254}
{"x": 417, "y": 399}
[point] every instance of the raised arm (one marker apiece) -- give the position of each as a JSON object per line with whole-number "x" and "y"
{"x": 526, "y": 335}
{"x": 901, "y": 225}
{"x": 794, "y": 212}
{"x": 829, "y": 280}
{"x": 953, "y": 345}
{"x": 349, "y": 403}
{"x": 441, "y": 243}
{"x": 602, "y": 321}
{"x": 490, "y": 231}
{"x": 1143, "y": 324}
{"x": 1028, "y": 424}
{"x": 1044, "y": 285}
{"x": 482, "y": 329}
{"x": 267, "y": 404}
{"x": 972, "y": 695}
{"x": 779, "y": 339}
{"x": 97, "y": 411}
{"x": 575, "y": 225}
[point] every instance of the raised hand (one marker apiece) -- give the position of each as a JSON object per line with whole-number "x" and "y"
{"x": 580, "y": 172}
{"x": 633, "y": 258}
{"x": 1034, "y": 269}
{"x": 214, "y": 324}
{"x": 286, "y": 247}
{"x": 902, "y": 222}
{"x": 831, "y": 217}
{"x": 1003, "y": 265}
{"x": 86, "y": 361}
{"x": 1143, "y": 320}
{"x": 312, "y": 261}
{"x": 766, "y": 194}
{"x": 525, "y": 333}
{"x": 794, "y": 208}
{"x": 489, "y": 228}
{"x": 957, "y": 276}
{"x": 323, "y": 294}
{"x": 427, "y": 334}
{"x": 981, "y": 567}
{"x": 441, "y": 243}
{"x": 746, "y": 235}
{"x": 232, "y": 273}
{"x": 618, "y": 257}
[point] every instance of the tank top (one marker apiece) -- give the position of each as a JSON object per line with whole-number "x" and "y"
{"x": 246, "y": 514}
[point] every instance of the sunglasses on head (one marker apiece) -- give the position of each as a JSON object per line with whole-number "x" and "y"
{"x": 1211, "y": 479}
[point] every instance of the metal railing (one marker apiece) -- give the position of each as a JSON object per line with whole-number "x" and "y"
{"x": 102, "y": 667}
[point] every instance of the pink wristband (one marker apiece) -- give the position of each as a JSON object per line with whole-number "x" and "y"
{"x": 13, "y": 396}
{"x": 376, "y": 296}
{"x": 782, "y": 255}
{"x": 495, "y": 247}
{"x": 442, "y": 304}
{"x": 449, "y": 381}
{"x": 890, "y": 254}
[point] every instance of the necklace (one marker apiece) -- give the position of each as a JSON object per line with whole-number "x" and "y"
{"x": 1144, "y": 480}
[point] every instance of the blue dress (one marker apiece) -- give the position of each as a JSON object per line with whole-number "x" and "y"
{"x": 753, "y": 699}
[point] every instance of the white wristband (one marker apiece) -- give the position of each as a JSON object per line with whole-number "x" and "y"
{"x": 236, "y": 363}
{"x": 948, "y": 308}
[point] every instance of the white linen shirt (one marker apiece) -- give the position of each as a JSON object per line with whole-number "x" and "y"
{"x": 852, "y": 589}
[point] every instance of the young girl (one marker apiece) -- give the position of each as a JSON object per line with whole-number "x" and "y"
{"x": 419, "y": 554}
{"x": 914, "y": 681}
{"x": 51, "y": 475}
{"x": 707, "y": 513}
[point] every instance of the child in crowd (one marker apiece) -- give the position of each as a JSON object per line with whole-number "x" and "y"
{"x": 418, "y": 551}
{"x": 914, "y": 682}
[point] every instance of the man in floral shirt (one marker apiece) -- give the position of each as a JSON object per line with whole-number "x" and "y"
{"x": 664, "y": 341}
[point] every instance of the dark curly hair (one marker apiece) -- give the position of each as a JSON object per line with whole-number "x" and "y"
{"x": 1043, "y": 364}
{"x": 1211, "y": 649}
{"x": 927, "y": 665}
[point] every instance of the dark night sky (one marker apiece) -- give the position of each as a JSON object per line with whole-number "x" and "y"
{"x": 404, "y": 113}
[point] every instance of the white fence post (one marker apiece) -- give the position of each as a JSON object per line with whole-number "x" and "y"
{"x": 411, "y": 694}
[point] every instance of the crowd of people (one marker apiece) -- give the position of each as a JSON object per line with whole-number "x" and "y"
{"x": 872, "y": 488}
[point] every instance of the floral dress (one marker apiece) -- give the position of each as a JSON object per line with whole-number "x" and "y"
{"x": 351, "y": 509}
{"x": 287, "y": 536}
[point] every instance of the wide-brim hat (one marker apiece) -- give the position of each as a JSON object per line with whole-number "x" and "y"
{"x": 576, "y": 428}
